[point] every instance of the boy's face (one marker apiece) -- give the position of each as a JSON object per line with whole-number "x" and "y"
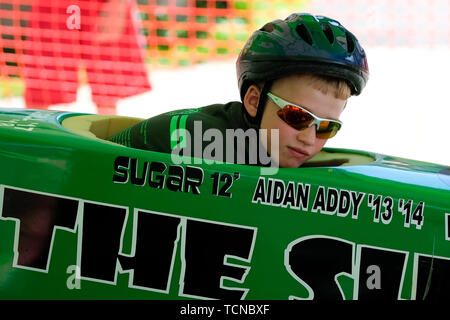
{"x": 298, "y": 146}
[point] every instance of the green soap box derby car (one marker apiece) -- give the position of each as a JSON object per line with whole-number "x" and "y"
{"x": 85, "y": 218}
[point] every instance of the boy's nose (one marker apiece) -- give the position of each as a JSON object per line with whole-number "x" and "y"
{"x": 307, "y": 136}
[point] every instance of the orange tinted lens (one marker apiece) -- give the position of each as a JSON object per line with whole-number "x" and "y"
{"x": 327, "y": 129}
{"x": 295, "y": 117}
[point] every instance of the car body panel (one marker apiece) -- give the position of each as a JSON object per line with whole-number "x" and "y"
{"x": 84, "y": 218}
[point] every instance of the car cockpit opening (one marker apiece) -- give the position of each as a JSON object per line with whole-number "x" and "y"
{"x": 101, "y": 127}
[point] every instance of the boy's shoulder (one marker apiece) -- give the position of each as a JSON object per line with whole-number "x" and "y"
{"x": 181, "y": 112}
{"x": 209, "y": 109}
{"x": 214, "y": 115}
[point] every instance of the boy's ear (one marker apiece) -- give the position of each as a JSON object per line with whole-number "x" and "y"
{"x": 251, "y": 100}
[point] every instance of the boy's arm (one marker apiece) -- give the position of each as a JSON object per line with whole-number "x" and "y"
{"x": 151, "y": 134}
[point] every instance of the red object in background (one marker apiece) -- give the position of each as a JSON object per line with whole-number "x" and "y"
{"x": 101, "y": 36}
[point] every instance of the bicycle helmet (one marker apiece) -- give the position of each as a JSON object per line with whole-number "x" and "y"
{"x": 302, "y": 43}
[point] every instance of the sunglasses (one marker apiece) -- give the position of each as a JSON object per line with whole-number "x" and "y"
{"x": 299, "y": 118}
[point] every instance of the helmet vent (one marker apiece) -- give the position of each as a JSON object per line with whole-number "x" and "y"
{"x": 328, "y": 32}
{"x": 304, "y": 33}
{"x": 350, "y": 42}
{"x": 268, "y": 27}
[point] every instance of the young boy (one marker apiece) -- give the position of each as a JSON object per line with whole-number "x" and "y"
{"x": 294, "y": 76}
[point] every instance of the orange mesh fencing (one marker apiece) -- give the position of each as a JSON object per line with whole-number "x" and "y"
{"x": 391, "y": 23}
{"x": 44, "y": 50}
{"x": 185, "y": 32}
{"x": 177, "y": 33}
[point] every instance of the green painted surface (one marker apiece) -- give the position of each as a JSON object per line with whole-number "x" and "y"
{"x": 332, "y": 232}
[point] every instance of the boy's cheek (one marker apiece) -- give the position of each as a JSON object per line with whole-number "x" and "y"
{"x": 318, "y": 146}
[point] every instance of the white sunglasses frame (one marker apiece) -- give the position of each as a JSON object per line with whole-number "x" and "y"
{"x": 281, "y": 103}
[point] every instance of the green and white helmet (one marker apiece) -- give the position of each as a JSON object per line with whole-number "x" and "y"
{"x": 302, "y": 43}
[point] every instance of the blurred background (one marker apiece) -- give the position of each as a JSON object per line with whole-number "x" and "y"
{"x": 144, "y": 57}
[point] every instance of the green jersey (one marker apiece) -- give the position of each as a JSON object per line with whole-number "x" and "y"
{"x": 218, "y": 132}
